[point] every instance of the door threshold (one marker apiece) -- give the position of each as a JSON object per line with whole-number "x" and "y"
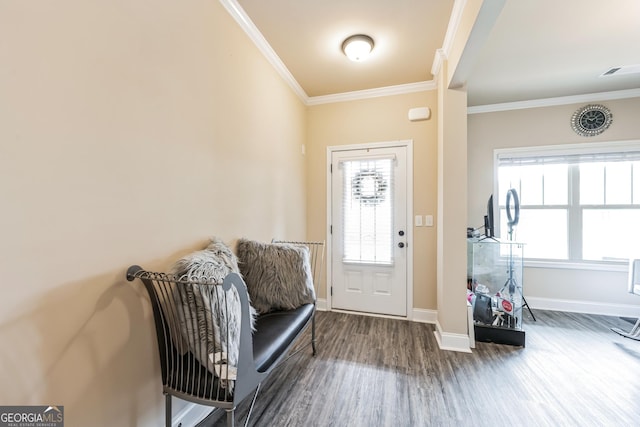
{"x": 365, "y": 313}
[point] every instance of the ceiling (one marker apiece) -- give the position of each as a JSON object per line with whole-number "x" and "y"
{"x": 535, "y": 49}
{"x": 549, "y": 48}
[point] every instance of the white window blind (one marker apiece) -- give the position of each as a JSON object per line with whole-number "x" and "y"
{"x": 367, "y": 210}
{"x": 580, "y": 154}
{"x": 578, "y": 202}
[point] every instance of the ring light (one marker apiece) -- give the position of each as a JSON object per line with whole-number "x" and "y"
{"x": 512, "y": 219}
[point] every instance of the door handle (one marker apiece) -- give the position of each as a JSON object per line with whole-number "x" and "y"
{"x": 401, "y": 233}
{"x": 401, "y": 245}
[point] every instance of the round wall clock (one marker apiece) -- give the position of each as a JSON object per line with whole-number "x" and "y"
{"x": 591, "y": 120}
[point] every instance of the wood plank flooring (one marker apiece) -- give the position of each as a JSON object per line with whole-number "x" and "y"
{"x": 381, "y": 372}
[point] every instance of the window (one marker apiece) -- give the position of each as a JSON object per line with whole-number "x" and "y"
{"x": 577, "y": 203}
{"x": 367, "y": 209}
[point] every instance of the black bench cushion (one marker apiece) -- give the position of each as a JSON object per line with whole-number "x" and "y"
{"x": 275, "y": 332}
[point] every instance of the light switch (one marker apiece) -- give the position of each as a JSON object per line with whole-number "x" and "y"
{"x": 428, "y": 220}
{"x": 418, "y": 220}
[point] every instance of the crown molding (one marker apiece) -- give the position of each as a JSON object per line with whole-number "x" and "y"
{"x": 452, "y": 28}
{"x": 551, "y": 102}
{"x": 241, "y": 17}
{"x": 373, "y": 93}
{"x": 247, "y": 25}
{"x": 439, "y": 57}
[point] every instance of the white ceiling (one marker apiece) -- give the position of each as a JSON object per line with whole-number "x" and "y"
{"x": 549, "y": 48}
{"x": 536, "y": 49}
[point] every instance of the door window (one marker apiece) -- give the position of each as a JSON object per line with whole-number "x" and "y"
{"x": 367, "y": 211}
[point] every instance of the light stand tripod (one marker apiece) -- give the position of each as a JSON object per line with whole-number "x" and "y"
{"x": 511, "y": 285}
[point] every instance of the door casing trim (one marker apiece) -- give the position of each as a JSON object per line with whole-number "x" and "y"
{"x": 408, "y": 143}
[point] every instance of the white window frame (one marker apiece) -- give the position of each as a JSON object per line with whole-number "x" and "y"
{"x": 563, "y": 150}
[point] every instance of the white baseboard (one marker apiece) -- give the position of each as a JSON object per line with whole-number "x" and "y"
{"x": 587, "y": 307}
{"x": 190, "y": 415}
{"x": 452, "y": 342}
{"x": 422, "y": 315}
{"x": 419, "y": 315}
{"x": 321, "y": 304}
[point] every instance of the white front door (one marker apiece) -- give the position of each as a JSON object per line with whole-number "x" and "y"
{"x": 369, "y": 230}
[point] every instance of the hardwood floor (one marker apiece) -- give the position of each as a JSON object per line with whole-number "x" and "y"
{"x": 381, "y": 372}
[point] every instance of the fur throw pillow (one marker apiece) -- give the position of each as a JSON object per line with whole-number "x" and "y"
{"x": 278, "y": 275}
{"x": 215, "y": 314}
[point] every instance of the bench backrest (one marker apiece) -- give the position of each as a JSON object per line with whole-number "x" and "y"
{"x": 192, "y": 321}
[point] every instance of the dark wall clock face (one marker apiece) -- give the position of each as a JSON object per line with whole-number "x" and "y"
{"x": 591, "y": 120}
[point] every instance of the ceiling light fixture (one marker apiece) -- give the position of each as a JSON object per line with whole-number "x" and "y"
{"x": 357, "y": 47}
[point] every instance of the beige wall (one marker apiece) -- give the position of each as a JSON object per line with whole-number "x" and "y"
{"x": 130, "y": 132}
{"x": 378, "y": 120}
{"x": 451, "y": 245}
{"x": 536, "y": 127}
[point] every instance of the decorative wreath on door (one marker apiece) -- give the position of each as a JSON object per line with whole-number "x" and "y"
{"x": 369, "y": 186}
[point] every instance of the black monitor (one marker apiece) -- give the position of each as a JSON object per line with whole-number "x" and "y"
{"x": 489, "y": 230}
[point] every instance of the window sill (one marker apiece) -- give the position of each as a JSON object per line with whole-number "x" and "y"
{"x": 568, "y": 265}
